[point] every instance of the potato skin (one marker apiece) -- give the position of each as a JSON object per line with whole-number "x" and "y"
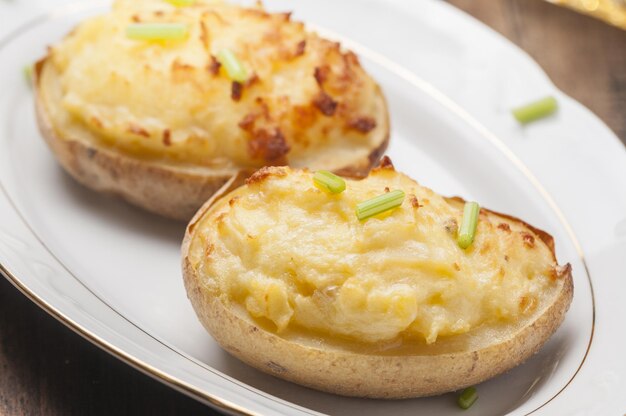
{"x": 356, "y": 374}
{"x": 164, "y": 189}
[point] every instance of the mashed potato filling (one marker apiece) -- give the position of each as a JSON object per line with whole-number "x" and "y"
{"x": 298, "y": 257}
{"x": 173, "y": 100}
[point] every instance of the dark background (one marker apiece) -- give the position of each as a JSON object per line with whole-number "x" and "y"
{"x": 46, "y": 369}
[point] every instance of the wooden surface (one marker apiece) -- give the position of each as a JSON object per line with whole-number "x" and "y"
{"x": 45, "y": 369}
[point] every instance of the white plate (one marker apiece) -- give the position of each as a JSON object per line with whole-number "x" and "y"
{"x": 111, "y": 272}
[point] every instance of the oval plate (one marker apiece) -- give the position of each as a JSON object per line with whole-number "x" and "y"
{"x": 111, "y": 272}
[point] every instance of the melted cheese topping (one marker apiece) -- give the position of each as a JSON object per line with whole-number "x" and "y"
{"x": 297, "y": 257}
{"x": 304, "y": 96}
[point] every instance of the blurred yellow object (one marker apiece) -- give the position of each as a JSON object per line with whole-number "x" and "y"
{"x": 611, "y": 11}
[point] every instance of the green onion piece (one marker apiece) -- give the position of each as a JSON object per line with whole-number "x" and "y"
{"x": 157, "y": 31}
{"x": 468, "y": 225}
{"x": 234, "y": 68}
{"x": 181, "y": 3}
{"x": 329, "y": 182}
{"x": 379, "y": 204}
{"x": 535, "y": 110}
{"x": 28, "y": 74}
{"x": 467, "y": 398}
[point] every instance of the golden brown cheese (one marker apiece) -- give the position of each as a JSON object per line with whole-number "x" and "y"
{"x": 298, "y": 258}
{"x": 304, "y": 96}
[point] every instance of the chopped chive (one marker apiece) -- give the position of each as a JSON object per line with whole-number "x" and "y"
{"x": 468, "y": 224}
{"x": 28, "y": 74}
{"x": 157, "y": 31}
{"x": 181, "y": 3}
{"x": 467, "y": 398}
{"x": 233, "y": 66}
{"x": 379, "y": 204}
{"x": 329, "y": 182}
{"x": 535, "y": 110}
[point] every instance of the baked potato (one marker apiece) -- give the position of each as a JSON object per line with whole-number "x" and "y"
{"x": 164, "y": 124}
{"x": 286, "y": 277}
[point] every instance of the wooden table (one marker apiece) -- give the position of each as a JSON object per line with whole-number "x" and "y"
{"x": 47, "y": 369}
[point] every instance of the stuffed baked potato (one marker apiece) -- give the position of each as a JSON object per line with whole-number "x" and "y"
{"x": 164, "y": 124}
{"x": 287, "y": 278}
